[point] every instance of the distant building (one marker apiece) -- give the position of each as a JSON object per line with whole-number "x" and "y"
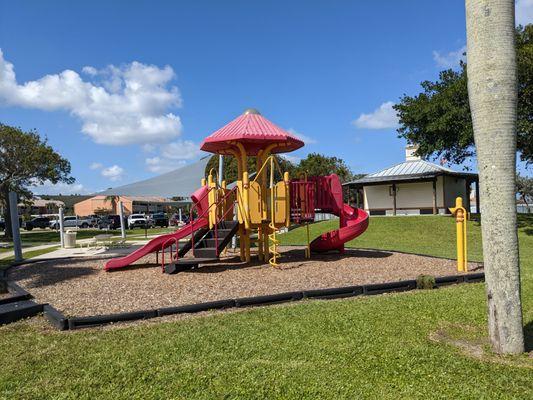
{"x": 132, "y": 205}
{"x": 413, "y": 187}
{"x": 38, "y": 206}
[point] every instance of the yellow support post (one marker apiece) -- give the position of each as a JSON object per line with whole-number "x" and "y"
{"x": 460, "y": 222}
{"x": 308, "y": 248}
{"x": 273, "y": 249}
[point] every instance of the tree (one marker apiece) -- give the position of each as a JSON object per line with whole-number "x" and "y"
{"x": 439, "y": 119}
{"x": 524, "y": 188}
{"x": 27, "y": 160}
{"x": 231, "y": 169}
{"x": 492, "y": 91}
{"x": 318, "y": 164}
{"x": 114, "y": 201}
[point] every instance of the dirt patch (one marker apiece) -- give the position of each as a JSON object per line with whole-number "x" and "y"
{"x": 478, "y": 348}
{"x": 81, "y": 287}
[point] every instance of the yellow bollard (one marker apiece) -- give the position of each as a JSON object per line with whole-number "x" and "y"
{"x": 460, "y": 222}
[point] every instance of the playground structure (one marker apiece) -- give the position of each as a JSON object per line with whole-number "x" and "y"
{"x": 254, "y": 209}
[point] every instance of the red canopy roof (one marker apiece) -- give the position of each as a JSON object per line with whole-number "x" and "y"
{"x": 255, "y": 132}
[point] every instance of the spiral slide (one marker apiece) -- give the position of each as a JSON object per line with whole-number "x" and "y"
{"x": 353, "y": 222}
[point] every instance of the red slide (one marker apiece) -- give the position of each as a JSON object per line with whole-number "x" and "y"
{"x": 199, "y": 198}
{"x": 353, "y": 222}
{"x": 156, "y": 244}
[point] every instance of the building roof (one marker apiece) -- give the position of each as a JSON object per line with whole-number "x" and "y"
{"x": 181, "y": 182}
{"x": 255, "y": 132}
{"x": 410, "y": 170}
{"x": 41, "y": 203}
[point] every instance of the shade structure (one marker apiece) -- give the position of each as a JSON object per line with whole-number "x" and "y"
{"x": 181, "y": 182}
{"x": 254, "y": 132}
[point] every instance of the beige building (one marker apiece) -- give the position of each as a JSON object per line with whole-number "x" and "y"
{"x": 413, "y": 187}
{"x": 132, "y": 204}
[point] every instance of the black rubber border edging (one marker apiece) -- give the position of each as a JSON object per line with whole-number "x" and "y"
{"x": 19, "y": 310}
{"x": 97, "y": 320}
{"x": 55, "y": 317}
{"x": 17, "y": 293}
{"x": 329, "y": 293}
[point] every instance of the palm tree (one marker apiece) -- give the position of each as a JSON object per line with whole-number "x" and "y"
{"x": 492, "y": 91}
{"x": 114, "y": 201}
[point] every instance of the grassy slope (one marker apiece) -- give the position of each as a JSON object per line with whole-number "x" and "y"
{"x": 374, "y": 347}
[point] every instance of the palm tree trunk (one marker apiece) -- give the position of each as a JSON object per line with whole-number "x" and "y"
{"x": 492, "y": 91}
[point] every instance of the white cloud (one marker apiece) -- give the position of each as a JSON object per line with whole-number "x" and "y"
{"x": 96, "y": 165}
{"x": 161, "y": 165}
{"x": 181, "y": 150}
{"x": 118, "y": 105}
{"x": 172, "y": 155}
{"x": 148, "y": 147}
{"x": 383, "y": 117}
{"x": 524, "y": 12}
{"x": 301, "y": 136}
{"x": 89, "y": 70}
{"x": 450, "y": 59}
{"x": 113, "y": 173}
{"x": 59, "y": 188}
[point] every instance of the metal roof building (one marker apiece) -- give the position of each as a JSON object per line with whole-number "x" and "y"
{"x": 414, "y": 186}
{"x": 181, "y": 182}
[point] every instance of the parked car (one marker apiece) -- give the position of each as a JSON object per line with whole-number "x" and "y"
{"x": 139, "y": 221}
{"x": 109, "y": 222}
{"x": 71, "y": 222}
{"x": 160, "y": 219}
{"x": 175, "y": 219}
{"x": 38, "y": 222}
{"x": 93, "y": 220}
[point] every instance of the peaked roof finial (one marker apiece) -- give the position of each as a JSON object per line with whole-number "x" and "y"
{"x": 251, "y": 111}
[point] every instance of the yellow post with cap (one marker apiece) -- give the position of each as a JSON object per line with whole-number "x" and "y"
{"x": 460, "y": 214}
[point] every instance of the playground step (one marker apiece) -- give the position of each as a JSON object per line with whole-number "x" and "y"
{"x": 12, "y": 312}
{"x": 187, "y": 246}
{"x": 205, "y": 252}
{"x": 186, "y": 264}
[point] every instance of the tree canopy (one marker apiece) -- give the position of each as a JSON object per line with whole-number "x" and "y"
{"x": 313, "y": 165}
{"x": 524, "y": 189}
{"x": 316, "y": 164}
{"x": 27, "y": 160}
{"x": 439, "y": 121}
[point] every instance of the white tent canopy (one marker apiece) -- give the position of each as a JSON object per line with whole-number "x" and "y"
{"x": 181, "y": 182}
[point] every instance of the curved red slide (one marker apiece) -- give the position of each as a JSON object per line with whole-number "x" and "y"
{"x": 353, "y": 221}
{"x": 156, "y": 244}
{"x": 200, "y": 200}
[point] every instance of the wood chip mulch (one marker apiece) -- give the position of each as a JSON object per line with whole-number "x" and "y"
{"x": 80, "y": 287}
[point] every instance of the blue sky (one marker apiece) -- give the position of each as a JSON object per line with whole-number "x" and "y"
{"x": 128, "y": 90}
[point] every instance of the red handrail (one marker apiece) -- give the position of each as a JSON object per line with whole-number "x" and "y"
{"x": 163, "y": 251}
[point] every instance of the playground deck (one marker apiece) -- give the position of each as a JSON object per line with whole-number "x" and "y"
{"x": 81, "y": 287}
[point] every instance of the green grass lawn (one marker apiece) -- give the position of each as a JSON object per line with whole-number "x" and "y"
{"x": 4, "y": 262}
{"x": 51, "y": 236}
{"x": 375, "y": 347}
